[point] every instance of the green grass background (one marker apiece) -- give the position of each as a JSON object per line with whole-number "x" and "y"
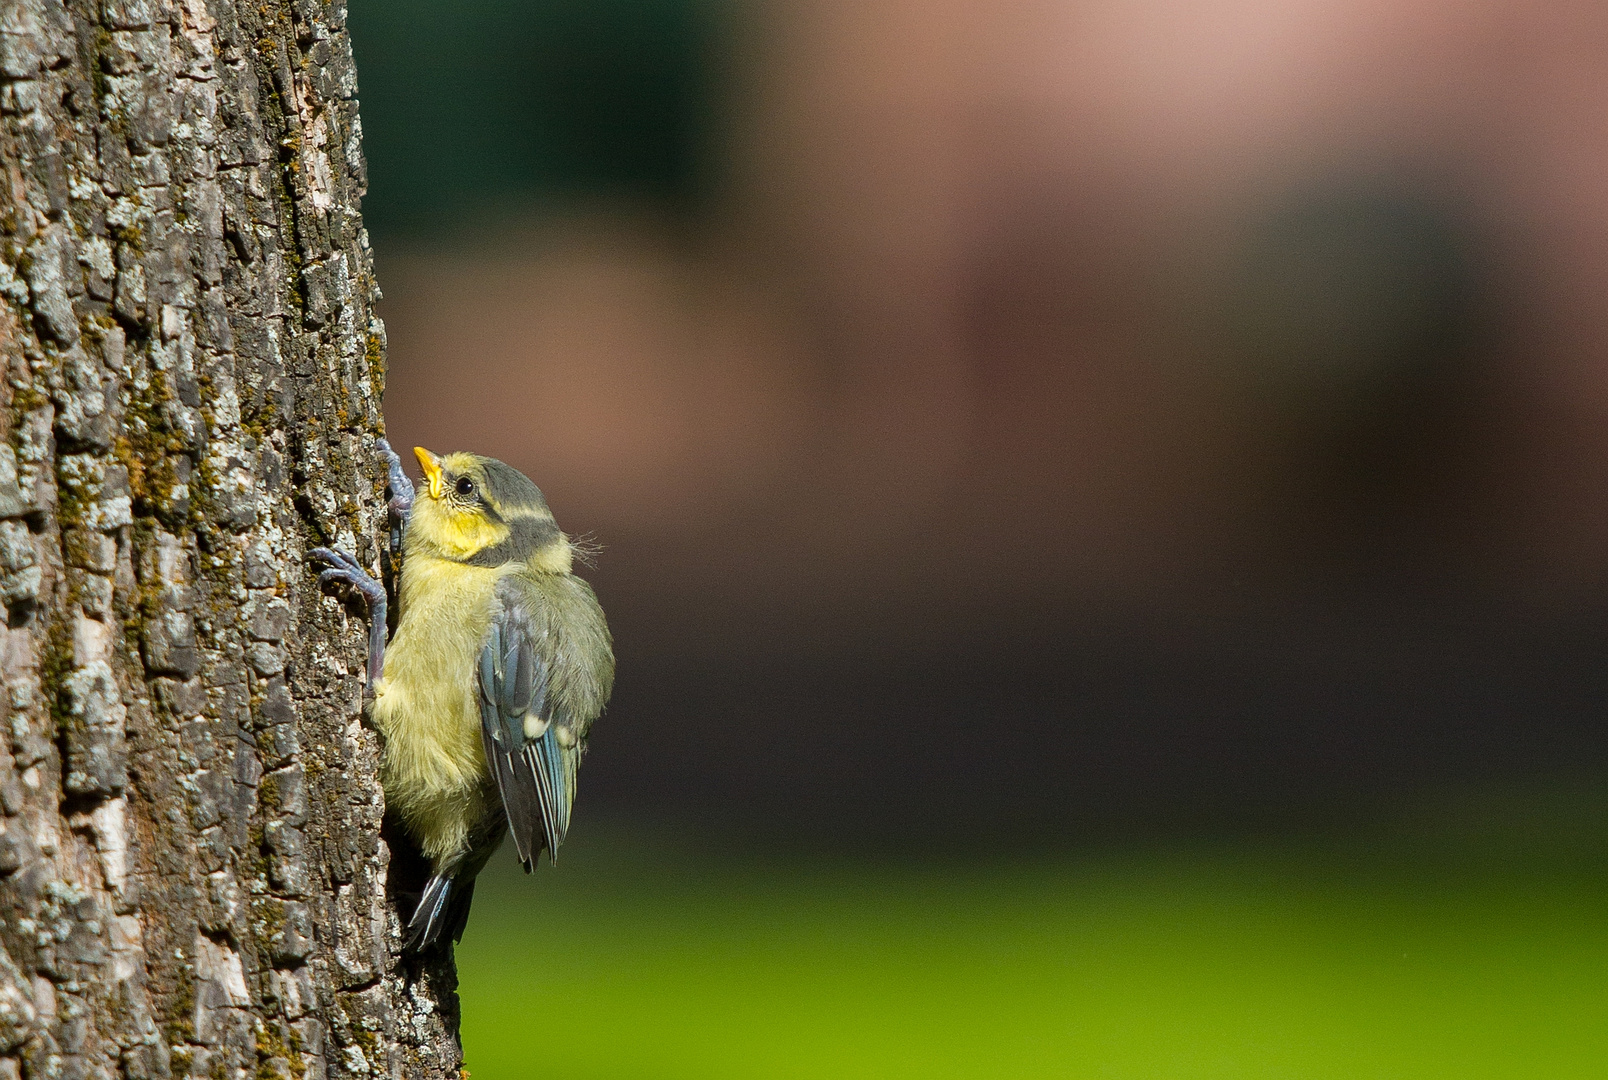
{"x": 1406, "y": 958}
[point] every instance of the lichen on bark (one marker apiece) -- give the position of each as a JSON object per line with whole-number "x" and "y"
{"x": 192, "y": 879}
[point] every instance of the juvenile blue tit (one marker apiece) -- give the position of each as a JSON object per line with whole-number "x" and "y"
{"x": 500, "y": 662}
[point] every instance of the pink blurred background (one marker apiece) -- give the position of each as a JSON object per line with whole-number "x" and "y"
{"x": 1009, "y": 328}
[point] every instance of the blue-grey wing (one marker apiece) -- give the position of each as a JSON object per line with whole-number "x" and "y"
{"x": 531, "y": 739}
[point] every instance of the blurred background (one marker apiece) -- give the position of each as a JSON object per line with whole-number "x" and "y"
{"x": 1104, "y": 514}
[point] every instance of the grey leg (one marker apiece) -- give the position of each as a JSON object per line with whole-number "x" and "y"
{"x": 345, "y": 570}
{"x": 401, "y": 503}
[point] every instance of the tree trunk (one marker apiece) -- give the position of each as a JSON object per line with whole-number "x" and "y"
{"x": 192, "y": 880}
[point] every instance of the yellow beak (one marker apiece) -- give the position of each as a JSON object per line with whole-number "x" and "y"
{"x": 432, "y": 469}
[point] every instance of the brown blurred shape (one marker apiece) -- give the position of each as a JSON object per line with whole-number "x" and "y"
{"x": 960, "y": 335}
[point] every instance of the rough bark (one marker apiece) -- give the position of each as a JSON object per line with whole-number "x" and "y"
{"x": 192, "y": 880}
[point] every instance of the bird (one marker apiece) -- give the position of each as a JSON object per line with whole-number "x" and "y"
{"x": 500, "y": 662}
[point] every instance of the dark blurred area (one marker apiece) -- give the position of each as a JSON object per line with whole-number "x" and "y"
{"x": 487, "y": 107}
{"x": 1029, "y": 426}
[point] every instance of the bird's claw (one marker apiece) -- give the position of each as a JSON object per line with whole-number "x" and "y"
{"x": 344, "y": 569}
{"x": 336, "y": 557}
{"x": 401, "y": 501}
{"x": 341, "y": 575}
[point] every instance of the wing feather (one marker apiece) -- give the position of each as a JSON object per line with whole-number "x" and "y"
{"x": 535, "y": 776}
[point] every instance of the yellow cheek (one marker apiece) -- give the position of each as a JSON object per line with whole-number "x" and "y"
{"x": 467, "y": 533}
{"x": 444, "y": 530}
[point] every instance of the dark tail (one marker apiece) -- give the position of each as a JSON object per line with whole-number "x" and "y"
{"x": 442, "y": 910}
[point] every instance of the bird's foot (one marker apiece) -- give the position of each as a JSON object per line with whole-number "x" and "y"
{"x": 345, "y": 571}
{"x": 401, "y": 504}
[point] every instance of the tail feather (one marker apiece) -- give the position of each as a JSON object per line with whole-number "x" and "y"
{"x": 443, "y": 909}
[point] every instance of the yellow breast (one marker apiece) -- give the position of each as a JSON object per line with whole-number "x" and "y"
{"x": 427, "y": 704}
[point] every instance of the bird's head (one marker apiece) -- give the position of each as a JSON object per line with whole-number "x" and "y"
{"x": 476, "y": 510}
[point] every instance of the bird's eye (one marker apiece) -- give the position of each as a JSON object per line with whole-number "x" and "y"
{"x": 465, "y": 486}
